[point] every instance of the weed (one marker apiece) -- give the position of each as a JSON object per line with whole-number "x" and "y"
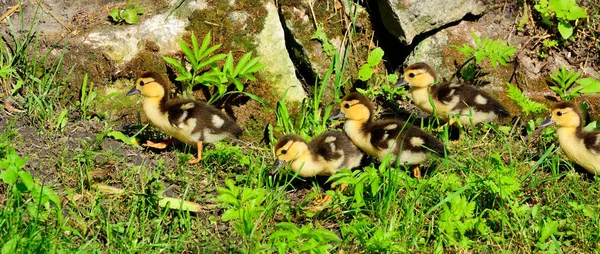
{"x": 217, "y": 79}
{"x": 527, "y": 105}
{"x": 496, "y": 51}
{"x": 564, "y": 80}
{"x": 289, "y": 238}
{"x": 565, "y": 12}
{"x": 129, "y": 15}
{"x": 383, "y": 85}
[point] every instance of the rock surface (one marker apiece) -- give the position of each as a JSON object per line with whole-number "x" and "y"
{"x": 406, "y": 19}
{"x": 280, "y": 72}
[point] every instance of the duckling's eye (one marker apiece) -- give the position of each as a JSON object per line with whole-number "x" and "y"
{"x": 283, "y": 151}
{"x": 411, "y": 75}
{"x": 346, "y": 105}
{"x": 142, "y": 83}
{"x": 559, "y": 113}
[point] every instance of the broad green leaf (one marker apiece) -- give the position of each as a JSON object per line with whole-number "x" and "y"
{"x": 211, "y": 60}
{"x": 228, "y": 65}
{"x": 256, "y": 67}
{"x": 209, "y": 51}
{"x": 590, "y": 85}
{"x": 122, "y": 137}
{"x": 26, "y": 179}
{"x": 205, "y": 43}
{"x": 9, "y": 176}
{"x": 176, "y": 64}
{"x": 130, "y": 16}
{"x": 242, "y": 63}
{"x": 249, "y": 77}
{"x": 375, "y": 57}
{"x": 565, "y": 29}
{"x": 10, "y": 246}
{"x": 115, "y": 14}
{"x": 576, "y": 13}
{"x": 230, "y": 214}
{"x": 550, "y": 228}
{"x": 591, "y": 126}
{"x": 195, "y": 46}
{"x": 365, "y": 73}
{"x": 238, "y": 85}
{"x": 189, "y": 54}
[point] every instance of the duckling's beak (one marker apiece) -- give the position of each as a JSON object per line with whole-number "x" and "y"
{"x": 547, "y": 122}
{"x": 401, "y": 82}
{"x": 278, "y": 164}
{"x": 336, "y": 115}
{"x": 133, "y": 91}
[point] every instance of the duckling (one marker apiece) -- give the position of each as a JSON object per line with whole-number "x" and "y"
{"x": 323, "y": 155}
{"x": 581, "y": 147}
{"x": 190, "y": 121}
{"x": 408, "y": 144}
{"x": 470, "y": 104}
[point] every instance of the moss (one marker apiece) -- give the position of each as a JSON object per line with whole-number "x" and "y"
{"x": 144, "y": 61}
{"x": 225, "y": 29}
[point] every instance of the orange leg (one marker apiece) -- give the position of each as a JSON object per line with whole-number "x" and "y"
{"x": 417, "y": 172}
{"x": 321, "y": 203}
{"x": 160, "y": 145}
{"x": 199, "y": 158}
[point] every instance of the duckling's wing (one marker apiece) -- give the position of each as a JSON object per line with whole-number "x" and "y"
{"x": 404, "y": 135}
{"x": 592, "y": 141}
{"x": 326, "y": 146}
{"x": 206, "y": 117}
{"x": 445, "y": 92}
{"x": 469, "y": 96}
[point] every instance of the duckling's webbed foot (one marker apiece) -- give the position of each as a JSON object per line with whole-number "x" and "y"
{"x": 159, "y": 145}
{"x": 199, "y": 158}
{"x": 417, "y": 172}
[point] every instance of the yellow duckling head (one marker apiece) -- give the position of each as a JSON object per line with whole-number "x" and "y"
{"x": 151, "y": 85}
{"x": 564, "y": 115}
{"x": 417, "y": 75}
{"x": 288, "y": 148}
{"x": 356, "y": 107}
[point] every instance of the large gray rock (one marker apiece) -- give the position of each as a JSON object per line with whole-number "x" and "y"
{"x": 406, "y": 19}
{"x": 280, "y": 72}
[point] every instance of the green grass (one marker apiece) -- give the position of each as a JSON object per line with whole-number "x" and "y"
{"x": 517, "y": 199}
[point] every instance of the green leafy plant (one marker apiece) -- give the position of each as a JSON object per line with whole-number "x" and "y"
{"x": 383, "y": 85}
{"x": 328, "y": 47}
{"x": 128, "y": 15}
{"x": 244, "y": 207}
{"x": 288, "y": 238}
{"x": 496, "y": 51}
{"x": 565, "y": 13}
{"x": 564, "y": 81}
{"x": 456, "y": 219}
{"x": 527, "y": 105}
{"x": 23, "y": 184}
{"x": 366, "y": 70}
{"x": 217, "y": 79}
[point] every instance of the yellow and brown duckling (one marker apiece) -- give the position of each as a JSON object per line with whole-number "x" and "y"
{"x": 323, "y": 155}
{"x": 190, "y": 121}
{"x": 408, "y": 144}
{"x": 581, "y": 147}
{"x": 470, "y": 104}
